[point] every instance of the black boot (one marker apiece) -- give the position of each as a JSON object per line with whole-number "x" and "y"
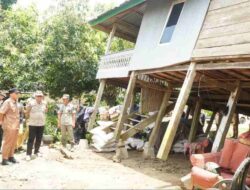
{"x": 5, "y": 162}
{"x": 13, "y": 160}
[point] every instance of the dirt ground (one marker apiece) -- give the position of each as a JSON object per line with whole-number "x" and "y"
{"x": 89, "y": 170}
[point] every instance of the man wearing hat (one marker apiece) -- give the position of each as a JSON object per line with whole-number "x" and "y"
{"x": 36, "y": 111}
{"x": 66, "y": 120}
{"x": 10, "y": 119}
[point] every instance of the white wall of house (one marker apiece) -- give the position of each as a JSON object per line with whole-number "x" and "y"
{"x": 149, "y": 53}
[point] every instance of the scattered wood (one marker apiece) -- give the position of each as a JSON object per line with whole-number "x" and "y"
{"x": 67, "y": 154}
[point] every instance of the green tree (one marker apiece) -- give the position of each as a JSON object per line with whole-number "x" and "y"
{"x": 71, "y": 54}
{"x": 20, "y": 49}
{"x": 5, "y": 4}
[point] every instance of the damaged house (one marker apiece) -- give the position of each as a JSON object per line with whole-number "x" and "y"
{"x": 191, "y": 53}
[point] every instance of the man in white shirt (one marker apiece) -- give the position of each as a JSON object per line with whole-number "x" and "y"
{"x": 66, "y": 120}
{"x": 36, "y": 111}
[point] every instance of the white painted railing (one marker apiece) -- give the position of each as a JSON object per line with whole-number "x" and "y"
{"x": 120, "y": 59}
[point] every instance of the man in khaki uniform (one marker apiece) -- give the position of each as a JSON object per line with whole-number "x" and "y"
{"x": 1, "y": 130}
{"x": 10, "y": 119}
{"x": 66, "y": 120}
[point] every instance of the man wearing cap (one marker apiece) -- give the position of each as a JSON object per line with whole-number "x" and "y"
{"x": 10, "y": 119}
{"x": 36, "y": 111}
{"x": 66, "y": 120}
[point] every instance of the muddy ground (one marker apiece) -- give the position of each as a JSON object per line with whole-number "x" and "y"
{"x": 89, "y": 170}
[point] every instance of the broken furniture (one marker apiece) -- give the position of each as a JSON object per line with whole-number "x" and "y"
{"x": 238, "y": 180}
{"x": 229, "y": 159}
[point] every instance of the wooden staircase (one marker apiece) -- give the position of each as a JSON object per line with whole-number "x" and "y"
{"x": 136, "y": 123}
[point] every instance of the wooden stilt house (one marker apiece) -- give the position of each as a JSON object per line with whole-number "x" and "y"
{"x": 187, "y": 52}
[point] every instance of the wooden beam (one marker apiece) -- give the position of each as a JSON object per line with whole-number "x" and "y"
{"x": 127, "y": 100}
{"x": 177, "y": 113}
{"x": 209, "y": 126}
{"x": 201, "y": 67}
{"x": 226, "y": 120}
{"x": 97, "y": 103}
{"x": 132, "y": 102}
{"x": 195, "y": 120}
{"x": 110, "y": 39}
{"x": 139, "y": 127}
{"x": 152, "y": 86}
{"x": 156, "y": 129}
{"x": 125, "y": 26}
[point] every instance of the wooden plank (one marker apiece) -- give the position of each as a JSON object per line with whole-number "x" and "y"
{"x": 238, "y": 49}
{"x": 128, "y": 125}
{"x": 151, "y": 86}
{"x": 201, "y": 67}
{"x": 210, "y": 123}
{"x": 226, "y": 120}
{"x": 97, "y": 103}
{"x": 132, "y": 102}
{"x": 235, "y": 39}
{"x": 242, "y": 27}
{"x": 138, "y": 127}
{"x": 195, "y": 120}
{"x": 178, "y": 110}
{"x": 161, "y": 113}
{"x": 218, "y": 4}
{"x": 127, "y": 100}
{"x": 228, "y": 16}
{"x": 134, "y": 120}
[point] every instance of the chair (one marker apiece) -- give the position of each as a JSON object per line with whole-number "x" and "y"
{"x": 238, "y": 182}
{"x": 229, "y": 160}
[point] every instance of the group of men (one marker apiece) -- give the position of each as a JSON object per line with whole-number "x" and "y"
{"x": 35, "y": 113}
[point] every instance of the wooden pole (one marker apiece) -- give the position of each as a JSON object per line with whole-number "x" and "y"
{"x": 177, "y": 113}
{"x": 102, "y": 82}
{"x": 235, "y": 125}
{"x": 226, "y": 120}
{"x": 97, "y": 103}
{"x": 127, "y": 100}
{"x": 160, "y": 115}
{"x": 132, "y": 102}
{"x": 195, "y": 120}
{"x": 110, "y": 39}
{"x": 209, "y": 126}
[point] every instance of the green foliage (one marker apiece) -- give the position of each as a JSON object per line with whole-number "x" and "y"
{"x": 119, "y": 44}
{"x": 19, "y": 49}
{"x": 59, "y": 55}
{"x": 6, "y": 4}
{"x": 89, "y": 98}
{"x": 51, "y": 122}
{"x": 71, "y": 54}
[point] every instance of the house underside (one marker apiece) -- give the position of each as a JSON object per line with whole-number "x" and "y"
{"x": 215, "y": 76}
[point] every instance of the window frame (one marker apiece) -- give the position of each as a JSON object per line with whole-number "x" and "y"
{"x": 168, "y": 17}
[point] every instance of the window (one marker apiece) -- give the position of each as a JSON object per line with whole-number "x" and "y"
{"x": 172, "y": 22}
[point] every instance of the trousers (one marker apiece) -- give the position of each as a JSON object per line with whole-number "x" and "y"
{"x": 35, "y": 134}
{"x": 67, "y": 134}
{"x": 1, "y": 136}
{"x": 9, "y": 142}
